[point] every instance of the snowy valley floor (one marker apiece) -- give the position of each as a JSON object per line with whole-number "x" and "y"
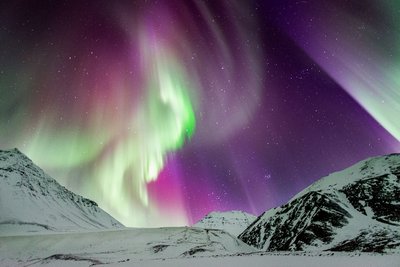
{"x": 256, "y": 259}
{"x": 179, "y": 246}
{"x": 276, "y": 260}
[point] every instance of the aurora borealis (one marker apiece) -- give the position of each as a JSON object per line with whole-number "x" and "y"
{"x": 162, "y": 111}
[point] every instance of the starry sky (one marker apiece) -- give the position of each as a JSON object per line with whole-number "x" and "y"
{"x": 162, "y": 111}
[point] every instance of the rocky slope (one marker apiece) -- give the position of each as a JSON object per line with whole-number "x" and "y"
{"x": 32, "y": 201}
{"x": 357, "y": 209}
{"x": 233, "y": 222}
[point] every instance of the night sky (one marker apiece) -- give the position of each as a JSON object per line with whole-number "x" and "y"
{"x": 162, "y": 111}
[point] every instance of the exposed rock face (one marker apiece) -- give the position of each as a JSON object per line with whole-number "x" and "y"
{"x": 32, "y": 201}
{"x": 357, "y": 209}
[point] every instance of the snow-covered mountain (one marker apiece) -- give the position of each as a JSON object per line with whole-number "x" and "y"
{"x": 357, "y": 209}
{"x": 233, "y": 222}
{"x": 41, "y": 222}
{"x": 32, "y": 201}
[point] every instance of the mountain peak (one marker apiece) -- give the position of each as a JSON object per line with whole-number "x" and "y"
{"x": 13, "y": 154}
{"x": 233, "y": 222}
{"x": 14, "y": 151}
{"x": 363, "y": 170}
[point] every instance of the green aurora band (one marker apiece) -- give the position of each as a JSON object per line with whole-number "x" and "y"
{"x": 124, "y": 163}
{"x": 162, "y": 122}
{"x": 104, "y": 112}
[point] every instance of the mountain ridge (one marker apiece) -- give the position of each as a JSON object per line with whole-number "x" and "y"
{"x": 353, "y": 209}
{"x": 32, "y": 201}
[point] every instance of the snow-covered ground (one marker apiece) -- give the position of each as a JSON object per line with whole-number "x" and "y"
{"x": 181, "y": 246}
{"x": 276, "y": 260}
{"x": 113, "y": 246}
{"x": 284, "y": 259}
